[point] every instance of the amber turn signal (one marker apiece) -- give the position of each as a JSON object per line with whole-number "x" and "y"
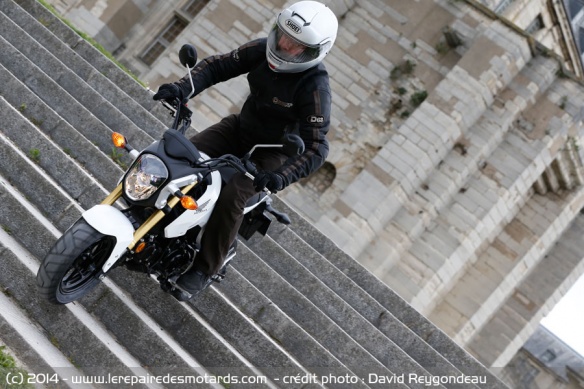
{"x": 140, "y": 247}
{"x": 189, "y": 203}
{"x": 119, "y": 140}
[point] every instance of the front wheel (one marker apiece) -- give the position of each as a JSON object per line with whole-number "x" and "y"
{"x": 72, "y": 266}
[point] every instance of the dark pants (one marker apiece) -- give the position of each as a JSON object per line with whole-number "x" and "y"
{"x": 221, "y": 230}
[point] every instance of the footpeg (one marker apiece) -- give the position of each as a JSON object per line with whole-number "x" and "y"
{"x": 218, "y": 277}
{"x": 280, "y": 216}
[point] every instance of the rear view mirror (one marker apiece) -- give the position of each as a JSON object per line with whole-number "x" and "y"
{"x": 188, "y": 56}
{"x": 292, "y": 144}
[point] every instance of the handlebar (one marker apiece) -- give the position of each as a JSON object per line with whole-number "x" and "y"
{"x": 242, "y": 165}
{"x": 180, "y": 112}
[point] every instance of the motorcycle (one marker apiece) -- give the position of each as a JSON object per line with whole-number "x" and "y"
{"x": 153, "y": 221}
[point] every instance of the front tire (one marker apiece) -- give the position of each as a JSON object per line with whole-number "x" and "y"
{"x": 72, "y": 266}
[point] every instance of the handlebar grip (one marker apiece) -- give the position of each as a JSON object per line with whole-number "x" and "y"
{"x": 250, "y": 167}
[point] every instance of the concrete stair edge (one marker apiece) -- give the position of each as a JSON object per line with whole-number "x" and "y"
{"x": 85, "y": 70}
{"x": 93, "y": 56}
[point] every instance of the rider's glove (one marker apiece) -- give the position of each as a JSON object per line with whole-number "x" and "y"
{"x": 269, "y": 180}
{"x": 168, "y": 92}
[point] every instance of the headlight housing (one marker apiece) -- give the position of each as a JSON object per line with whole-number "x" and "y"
{"x": 145, "y": 177}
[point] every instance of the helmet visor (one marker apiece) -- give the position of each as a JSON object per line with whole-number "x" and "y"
{"x": 288, "y": 49}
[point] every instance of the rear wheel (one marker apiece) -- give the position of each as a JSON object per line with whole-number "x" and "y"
{"x": 72, "y": 266}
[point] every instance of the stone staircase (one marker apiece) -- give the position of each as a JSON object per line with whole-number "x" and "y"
{"x": 293, "y": 306}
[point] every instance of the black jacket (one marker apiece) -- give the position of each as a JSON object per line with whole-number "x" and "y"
{"x": 278, "y": 103}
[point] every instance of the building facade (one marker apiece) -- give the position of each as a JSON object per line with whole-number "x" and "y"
{"x": 552, "y": 23}
{"x": 545, "y": 362}
{"x": 455, "y": 172}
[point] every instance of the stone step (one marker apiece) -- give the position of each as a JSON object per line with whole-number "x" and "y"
{"x": 356, "y": 343}
{"x": 345, "y": 305}
{"x": 68, "y": 95}
{"x": 358, "y": 308}
{"x": 127, "y": 331}
{"x": 280, "y": 327}
{"x": 28, "y": 343}
{"x": 29, "y": 156}
{"x": 90, "y": 54}
{"x": 71, "y": 141}
{"x": 12, "y": 16}
{"x": 101, "y": 63}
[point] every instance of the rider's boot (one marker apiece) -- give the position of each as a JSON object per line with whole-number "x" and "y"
{"x": 194, "y": 281}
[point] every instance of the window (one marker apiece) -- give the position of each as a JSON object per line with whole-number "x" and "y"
{"x": 163, "y": 40}
{"x": 193, "y": 7}
{"x": 574, "y": 6}
{"x": 548, "y": 356}
{"x": 535, "y": 25}
{"x": 580, "y": 40}
{"x": 502, "y": 6}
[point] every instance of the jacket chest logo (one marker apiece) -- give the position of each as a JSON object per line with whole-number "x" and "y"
{"x": 315, "y": 119}
{"x": 281, "y": 103}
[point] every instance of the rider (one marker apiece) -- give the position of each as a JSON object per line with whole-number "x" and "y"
{"x": 290, "y": 93}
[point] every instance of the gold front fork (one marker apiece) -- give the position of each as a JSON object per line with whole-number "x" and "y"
{"x": 153, "y": 219}
{"x": 113, "y": 196}
{"x": 156, "y": 217}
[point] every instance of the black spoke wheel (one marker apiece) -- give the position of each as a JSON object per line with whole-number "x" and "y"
{"x": 72, "y": 266}
{"x": 86, "y": 267}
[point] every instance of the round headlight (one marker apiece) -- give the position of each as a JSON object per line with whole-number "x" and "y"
{"x": 146, "y": 175}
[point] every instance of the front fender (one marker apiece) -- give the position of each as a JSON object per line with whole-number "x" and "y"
{"x": 111, "y": 221}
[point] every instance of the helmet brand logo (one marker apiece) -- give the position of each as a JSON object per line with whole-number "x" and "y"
{"x": 293, "y": 26}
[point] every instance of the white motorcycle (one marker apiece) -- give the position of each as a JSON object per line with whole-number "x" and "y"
{"x": 165, "y": 200}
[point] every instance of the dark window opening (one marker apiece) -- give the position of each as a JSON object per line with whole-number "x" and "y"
{"x": 163, "y": 40}
{"x": 502, "y": 6}
{"x": 548, "y": 356}
{"x": 535, "y": 25}
{"x": 193, "y": 7}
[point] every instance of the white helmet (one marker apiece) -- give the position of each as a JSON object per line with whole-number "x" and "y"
{"x": 302, "y": 36}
